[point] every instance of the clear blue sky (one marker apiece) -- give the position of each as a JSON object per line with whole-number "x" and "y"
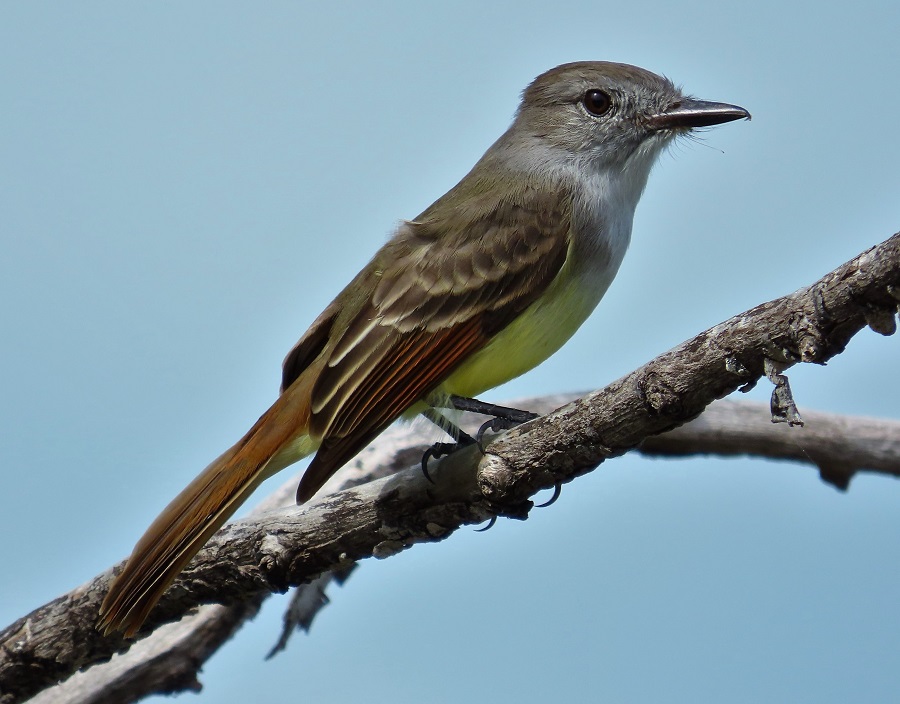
{"x": 183, "y": 187}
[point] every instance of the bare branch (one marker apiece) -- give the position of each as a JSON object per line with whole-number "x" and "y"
{"x": 811, "y": 325}
{"x": 292, "y": 546}
{"x": 167, "y": 661}
{"x": 840, "y": 446}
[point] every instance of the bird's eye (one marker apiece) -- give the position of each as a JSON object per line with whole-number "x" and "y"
{"x": 597, "y": 102}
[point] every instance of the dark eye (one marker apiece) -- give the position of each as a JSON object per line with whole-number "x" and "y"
{"x": 597, "y": 102}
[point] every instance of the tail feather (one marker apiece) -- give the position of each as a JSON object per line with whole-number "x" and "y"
{"x": 201, "y": 509}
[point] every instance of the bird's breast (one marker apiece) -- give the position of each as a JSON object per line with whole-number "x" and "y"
{"x": 549, "y": 322}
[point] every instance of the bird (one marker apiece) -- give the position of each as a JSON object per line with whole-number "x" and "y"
{"x": 482, "y": 286}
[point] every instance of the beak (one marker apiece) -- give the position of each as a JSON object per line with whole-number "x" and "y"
{"x": 688, "y": 113}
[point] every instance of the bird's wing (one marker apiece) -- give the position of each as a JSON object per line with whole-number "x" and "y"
{"x": 438, "y": 297}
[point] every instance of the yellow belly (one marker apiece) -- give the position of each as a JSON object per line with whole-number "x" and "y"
{"x": 531, "y": 338}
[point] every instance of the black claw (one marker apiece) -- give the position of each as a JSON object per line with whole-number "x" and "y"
{"x": 440, "y": 449}
{"x": 495, "y": 425}
{"x": 427, "y": 454}
{"x": 504, "y": 419}
{"x": 488, "y": 526}
{"x": 436, "y": 451}
{"x": 557, "y": 490}
{"x": 479, "y": 436}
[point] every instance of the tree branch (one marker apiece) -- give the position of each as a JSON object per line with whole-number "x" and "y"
{"x": 839, "y": 446}
{"x": 811, "y": 325}
{"x": 251, "y": 557}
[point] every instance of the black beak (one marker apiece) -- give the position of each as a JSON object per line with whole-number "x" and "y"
{"x": 688, "y": 113}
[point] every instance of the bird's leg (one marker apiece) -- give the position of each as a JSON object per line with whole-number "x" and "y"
{"x": 473, "y": 405}
{"x": 439, "y": 449}
{"x": 503, "y": 418}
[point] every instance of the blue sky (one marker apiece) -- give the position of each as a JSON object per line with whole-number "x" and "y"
{"x": 183, "y": 187}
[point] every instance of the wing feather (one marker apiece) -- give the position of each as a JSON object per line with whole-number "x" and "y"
{"x": 438, "y": 296}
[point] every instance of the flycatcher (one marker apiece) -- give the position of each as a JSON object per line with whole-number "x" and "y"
{"x": 485, "y": 284}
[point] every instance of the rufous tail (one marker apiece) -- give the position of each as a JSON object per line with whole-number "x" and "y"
{"x": 200, "y": 509}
